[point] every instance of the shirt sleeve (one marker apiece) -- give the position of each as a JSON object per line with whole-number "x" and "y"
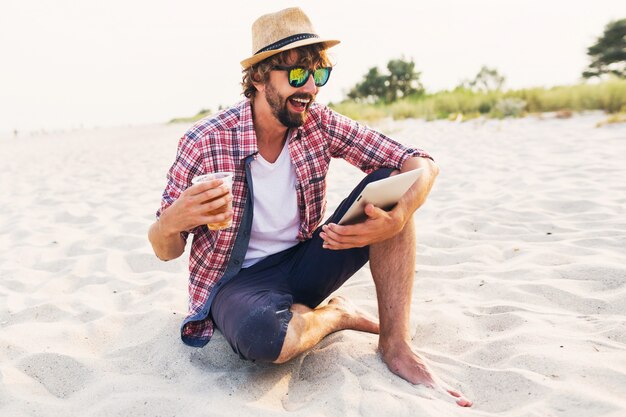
{"x": 363, "y": 147}
{"x": 187, "y": 165}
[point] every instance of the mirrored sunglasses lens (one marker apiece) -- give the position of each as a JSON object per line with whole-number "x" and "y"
{"x": 321, "y": 76}
{"x": 298, "y": 76}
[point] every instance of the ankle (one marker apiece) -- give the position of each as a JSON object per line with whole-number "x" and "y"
{"x": 395, "y": 346}
{"x": 395, "y": 341}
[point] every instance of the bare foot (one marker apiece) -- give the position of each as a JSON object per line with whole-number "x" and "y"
{"x": 402, "y": 361}
{"x": 353, "y": 318}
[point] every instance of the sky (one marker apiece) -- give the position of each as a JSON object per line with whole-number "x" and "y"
{"x": 68, "y": 64}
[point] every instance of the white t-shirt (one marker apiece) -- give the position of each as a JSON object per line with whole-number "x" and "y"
{"x": 276, "y": 219}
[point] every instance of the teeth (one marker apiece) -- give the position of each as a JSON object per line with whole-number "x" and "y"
{"x": 301, "y": 100}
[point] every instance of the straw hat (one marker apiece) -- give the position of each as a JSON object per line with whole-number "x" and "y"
{"x": 274, "y": 33}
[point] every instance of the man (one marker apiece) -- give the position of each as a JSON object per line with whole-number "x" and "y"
{"x": 261, "y": 281}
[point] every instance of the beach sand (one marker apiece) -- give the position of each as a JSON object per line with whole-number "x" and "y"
{"x": 519, "y": 298}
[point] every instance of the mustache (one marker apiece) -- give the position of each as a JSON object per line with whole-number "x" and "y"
{"x": 303, "y": 96}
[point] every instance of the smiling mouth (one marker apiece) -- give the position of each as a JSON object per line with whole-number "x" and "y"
{"x": 300, "y": 104}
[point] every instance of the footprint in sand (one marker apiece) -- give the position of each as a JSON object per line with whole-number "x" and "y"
{"x": 61, "y": 375}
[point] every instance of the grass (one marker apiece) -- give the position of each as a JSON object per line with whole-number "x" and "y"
{"x": 609, "y": 96}
{"x": 612, "y": 119}
{"x": 201, "y": 114}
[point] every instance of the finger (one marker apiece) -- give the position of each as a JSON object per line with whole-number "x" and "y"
{"x": 215, "y": 203}
{"x": 331, "y": 235}
{"x": 328, "y": 242}
{"x": 339, "y": 230}
{"x": 374, "y": 212}
{"x": 216, "y": 218}
{"x": 357, "y": 235}
{"x": 212, "y": 194}
{"x": 331, "y": 243}
{"x": 204, "y": 186}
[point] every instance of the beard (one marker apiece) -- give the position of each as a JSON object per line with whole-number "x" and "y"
{"x": 278, "y": 105}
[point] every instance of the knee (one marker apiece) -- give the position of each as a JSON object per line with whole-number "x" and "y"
{"x": 292, "y": 345}
{"x": 261, "y": 334}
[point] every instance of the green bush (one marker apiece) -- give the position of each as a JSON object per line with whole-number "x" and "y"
{"x": 508, "y": 107}
{"x": 609, "y": 96}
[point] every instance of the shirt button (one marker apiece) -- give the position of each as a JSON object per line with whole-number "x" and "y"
{"x": 236, "y": 261}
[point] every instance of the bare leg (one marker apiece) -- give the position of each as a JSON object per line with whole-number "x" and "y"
{"x": 392, "y": 263}
{"x": 308, "y": 327}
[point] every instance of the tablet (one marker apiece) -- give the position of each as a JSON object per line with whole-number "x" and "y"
{"x": 384, "y": 194}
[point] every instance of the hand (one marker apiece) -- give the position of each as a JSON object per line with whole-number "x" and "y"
{"x": 380, "y": 225}
{"x": 192, "y": 207}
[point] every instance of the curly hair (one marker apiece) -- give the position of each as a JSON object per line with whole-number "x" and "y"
{"x": 310, "y": 56}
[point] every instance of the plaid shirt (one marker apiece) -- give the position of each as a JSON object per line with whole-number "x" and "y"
{"x": 222, "y": 143}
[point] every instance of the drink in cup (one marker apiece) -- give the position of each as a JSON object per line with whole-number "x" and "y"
{"x": 227, "y": 179}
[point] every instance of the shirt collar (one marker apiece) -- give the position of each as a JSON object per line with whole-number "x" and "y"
{"x": 247, "y": 135}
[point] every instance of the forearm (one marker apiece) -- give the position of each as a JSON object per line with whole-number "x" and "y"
{"x": 166, "y": 246}
{"x": 417, "y": 194}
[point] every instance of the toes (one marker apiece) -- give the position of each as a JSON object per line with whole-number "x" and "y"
{"x": 459, "y": 398}
{"x": 454, "y": 393}
{"x": 464, "y": 402}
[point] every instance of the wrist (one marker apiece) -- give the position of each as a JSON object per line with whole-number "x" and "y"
{"x": 164, "y": 227}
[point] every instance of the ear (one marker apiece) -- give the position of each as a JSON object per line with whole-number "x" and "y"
{"x": 256, "y": 81}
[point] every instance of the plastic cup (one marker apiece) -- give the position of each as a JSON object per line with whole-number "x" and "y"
{"x": 227, "y": 178}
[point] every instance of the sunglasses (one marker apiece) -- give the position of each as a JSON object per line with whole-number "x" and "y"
{"x": 298, "y": 76}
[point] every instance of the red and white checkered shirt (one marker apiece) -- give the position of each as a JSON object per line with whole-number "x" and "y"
{"x": 222, "y": 142}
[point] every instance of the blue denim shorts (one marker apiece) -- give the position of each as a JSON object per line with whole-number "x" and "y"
{"x": 253, "y": 309}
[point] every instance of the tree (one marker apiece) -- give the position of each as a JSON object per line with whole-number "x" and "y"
{"x": 608, "y": 54}
{"x": 371, "y": 88}
{"x": 487, "y": 79}
{"x": 401, "y": 81}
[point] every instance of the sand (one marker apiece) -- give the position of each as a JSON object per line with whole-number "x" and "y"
{"x": 519, "y": 295}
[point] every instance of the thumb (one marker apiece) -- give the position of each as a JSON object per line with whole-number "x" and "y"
{"x": 372, "y": 211}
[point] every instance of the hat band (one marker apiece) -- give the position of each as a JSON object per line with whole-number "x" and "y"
{"x": 286, "y": 41}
